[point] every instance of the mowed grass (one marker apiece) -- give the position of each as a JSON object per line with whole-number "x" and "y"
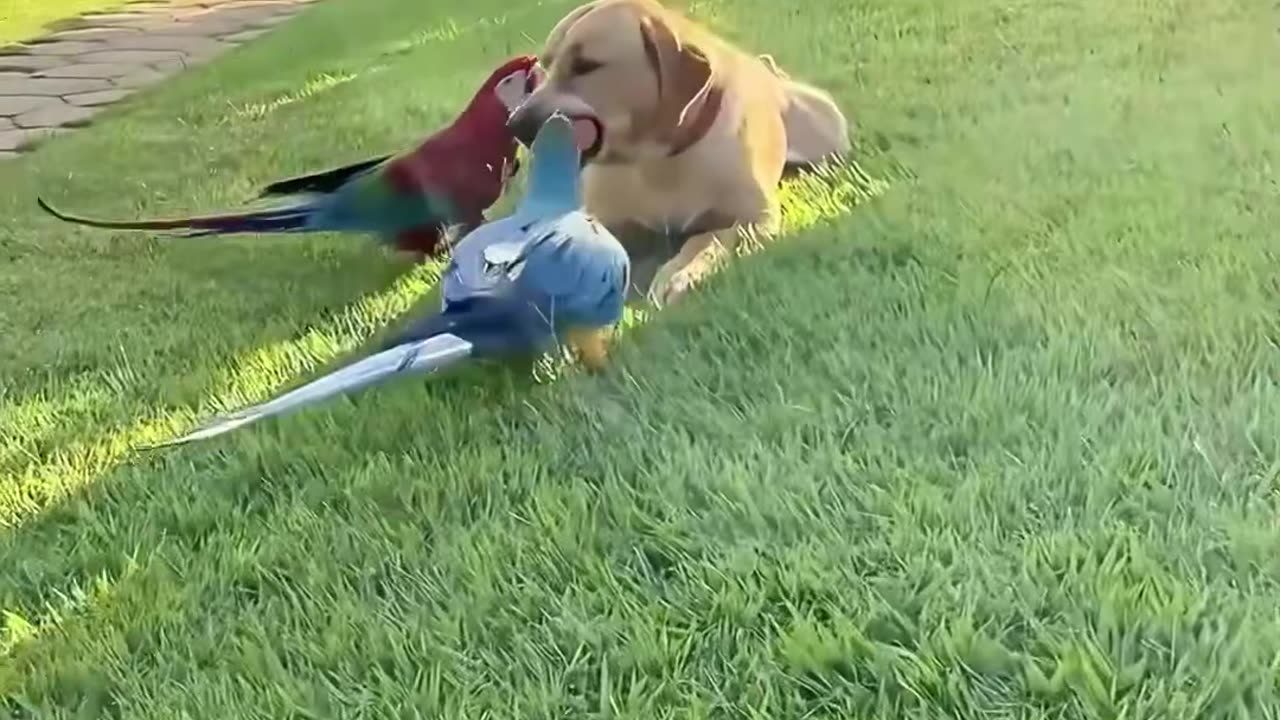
{"x": 27, "y": 19}
{"x": 999, "y": 442}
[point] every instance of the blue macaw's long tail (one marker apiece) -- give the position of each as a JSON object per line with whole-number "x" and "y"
{"x": 291, "y": 218}
{"x": 483, "y": 328}
{"x": 423, "y": 356}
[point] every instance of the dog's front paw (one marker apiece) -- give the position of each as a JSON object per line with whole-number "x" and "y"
{"x": 667, "y": 288}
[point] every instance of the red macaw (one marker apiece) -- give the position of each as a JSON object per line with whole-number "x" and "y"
{"x": 408, "y": 200}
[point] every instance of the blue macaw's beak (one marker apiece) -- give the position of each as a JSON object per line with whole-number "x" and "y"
{"x": 528, "y": 119}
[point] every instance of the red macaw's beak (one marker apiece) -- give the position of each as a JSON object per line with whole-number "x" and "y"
{"x": 534, "y": 77}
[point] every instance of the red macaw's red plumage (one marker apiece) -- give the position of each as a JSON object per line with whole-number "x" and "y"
{"x": 408, "y": 200}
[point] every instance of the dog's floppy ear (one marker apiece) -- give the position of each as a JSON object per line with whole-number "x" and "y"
{"x": 683, "y": 71}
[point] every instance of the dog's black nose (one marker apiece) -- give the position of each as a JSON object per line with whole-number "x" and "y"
{"x": 524, "y": 124}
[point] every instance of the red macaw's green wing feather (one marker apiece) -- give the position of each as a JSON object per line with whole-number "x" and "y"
{"x": 380, "y": 201}
{"x": 411, "y": 197}
{"x": 325, "y": 181}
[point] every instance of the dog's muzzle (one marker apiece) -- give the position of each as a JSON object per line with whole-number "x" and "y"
{"x": 527, "y": 121}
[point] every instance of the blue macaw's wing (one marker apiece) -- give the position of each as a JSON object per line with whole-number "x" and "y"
{"x": 546, "y": 276}
{"x": 575, "y": 271}
{"x": 470, "y": 272}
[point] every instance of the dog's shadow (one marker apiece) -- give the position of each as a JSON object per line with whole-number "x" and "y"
{"x": 648, "y": 251}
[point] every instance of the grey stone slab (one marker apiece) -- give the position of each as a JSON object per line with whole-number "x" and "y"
{"x": 205, "y": 28}
{"x": 51, "y": 86}
{"x": 56, "y": 115}
{"x": 20, "y": 139}
{"x": 141, "y": 78}
{"x": 115, "y": 18}
{"x": 137, "y": 57}
{"x": 100, "y": 58}
{"x": 254, "y": 4}
{"x": 13, "y": 139}
{"x": 64, "y": 47}
{"x": 146, "y": 23}
{"x": 250, "y": 11}
{"x": 245, "y": 35}
{"x": 98, "y": 97}
{"x": 11, "y": 105}
{"x": 169, "y": 67}
{"x": 95, "y": 33}
{"x": 28, "y": 62}
{"x": 105, "y": 71}
{"x": 157, "y": 41}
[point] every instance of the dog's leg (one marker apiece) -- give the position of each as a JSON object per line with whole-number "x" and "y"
{"x": 711, "y": 240}
{"x": 698, "y": 258}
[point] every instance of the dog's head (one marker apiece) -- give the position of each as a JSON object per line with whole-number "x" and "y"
{"x": 622, "y": 70}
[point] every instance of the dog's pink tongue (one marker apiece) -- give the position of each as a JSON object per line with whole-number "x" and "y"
{"x": 584, "y": 133}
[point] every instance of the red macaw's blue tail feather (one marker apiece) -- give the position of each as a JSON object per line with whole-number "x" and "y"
{"x": 291, "y": 218}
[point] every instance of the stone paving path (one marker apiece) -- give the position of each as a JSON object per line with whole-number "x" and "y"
{"x": 60, "y": 81}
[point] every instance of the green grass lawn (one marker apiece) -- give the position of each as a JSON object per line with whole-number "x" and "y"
{"x": 1000, "y": 441}
{"x": 26, "y": 19}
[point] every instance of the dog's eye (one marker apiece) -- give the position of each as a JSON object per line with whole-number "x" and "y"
{"x": 583, "y": 66}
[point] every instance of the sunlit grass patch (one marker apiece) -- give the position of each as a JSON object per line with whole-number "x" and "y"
{"x": 27, "y": 19}
{"x": 251, "y": 378}
{"x": 828, "y": 191}
{"x": 319, "y": 84}
{"x": 263, "y": 372}
{"x": 448, "y": 31}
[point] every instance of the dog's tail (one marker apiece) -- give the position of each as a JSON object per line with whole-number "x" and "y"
{"x": 817, "y": 131}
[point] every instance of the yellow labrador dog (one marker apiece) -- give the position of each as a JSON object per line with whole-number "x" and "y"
{"x": 685, "y": 134}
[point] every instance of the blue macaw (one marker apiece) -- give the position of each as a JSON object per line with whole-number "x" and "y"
{"x": 545, "y": 275}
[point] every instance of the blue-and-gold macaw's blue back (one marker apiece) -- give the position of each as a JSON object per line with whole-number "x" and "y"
{"x": 523, "y": 284}
{"x": 549, "y": 263}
